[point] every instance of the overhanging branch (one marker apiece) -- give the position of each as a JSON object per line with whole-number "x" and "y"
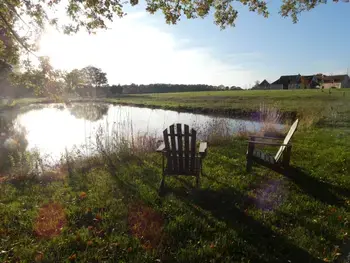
{"x": 15, "y": 35}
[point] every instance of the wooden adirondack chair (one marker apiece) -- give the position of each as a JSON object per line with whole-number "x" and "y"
{"x": 279, "y": 162}
{"x": 179, "y": 150}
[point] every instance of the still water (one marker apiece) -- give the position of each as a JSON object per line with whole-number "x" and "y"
{"x": 50, "y": 129}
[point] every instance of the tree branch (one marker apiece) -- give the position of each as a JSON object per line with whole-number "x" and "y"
{"x": 17, "y": 38}
{"x": 13, "y": 9}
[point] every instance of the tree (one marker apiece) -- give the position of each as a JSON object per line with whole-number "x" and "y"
{"x": 92, "y": 15}
{"x": 256, "y": 84}
{"x": 73, "y": 79}
{"x": 93, "y": 77}
{"x": 43, "y": 80}
{"x": 116, "y": 89}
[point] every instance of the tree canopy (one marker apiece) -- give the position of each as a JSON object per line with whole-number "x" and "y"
{"x": 22, "y": 21}
{"x": 45, "y": 80}
{"x": 93, "y": 76}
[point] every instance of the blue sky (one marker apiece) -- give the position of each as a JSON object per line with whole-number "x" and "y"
{"x": 197, "y": 51}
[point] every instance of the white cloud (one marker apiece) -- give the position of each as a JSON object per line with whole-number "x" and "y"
{"x": 137, "y": 51}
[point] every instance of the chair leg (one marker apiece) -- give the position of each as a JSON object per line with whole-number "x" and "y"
{"x": 286, "y": 156}
{"x": 249, "y": 165}
{"x": 250, "y": 151}
{"x": 162, "y": 183}
{"x": 200, "y": 173}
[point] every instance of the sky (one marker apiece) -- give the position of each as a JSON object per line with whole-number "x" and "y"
{"x": 141, "y": 48}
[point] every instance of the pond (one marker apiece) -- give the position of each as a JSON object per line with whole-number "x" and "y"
{"x": 51, "y": 129}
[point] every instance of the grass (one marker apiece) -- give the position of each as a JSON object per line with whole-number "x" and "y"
{"x": 107, "y": 209}
{"x": 98, "y": 212}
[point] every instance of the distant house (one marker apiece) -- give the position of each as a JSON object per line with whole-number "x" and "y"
{"x": 311, "y": 81}
{"x": 287, "y": 82}
{"x": 336, "y": 81}
{"x": 263, "y": 85}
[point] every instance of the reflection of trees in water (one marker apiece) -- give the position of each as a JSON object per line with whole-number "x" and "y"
{"x": 13, "y": 142}
{"x": 40, "y": 106}
{"x": 89, "y": 111}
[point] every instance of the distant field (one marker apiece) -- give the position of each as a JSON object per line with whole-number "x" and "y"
{"x": 241, "y": 102}
{"x": 222, "y": 100}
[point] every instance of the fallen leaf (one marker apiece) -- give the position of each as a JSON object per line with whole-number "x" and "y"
{"x": 39, "y": 257}
{"x": 82, "y": 195}
{"x": 73, "y": 257}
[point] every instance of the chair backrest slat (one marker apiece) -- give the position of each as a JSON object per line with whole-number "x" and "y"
{"x": 173, "y": 147}
{"x": 179, "y": 146}
{"x": 187, "y": 147}
{"x": 193, "y": 150}
{"x": 288, "y": 137}
{"x": 167, "y": 147}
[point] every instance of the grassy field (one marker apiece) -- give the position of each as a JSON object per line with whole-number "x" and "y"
{"x": 107, "y": 208}
{"x": 245, "y": 102}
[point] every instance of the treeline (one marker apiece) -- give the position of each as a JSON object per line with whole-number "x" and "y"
{"x": 45, "y": 81}
{"x": 166, "y": 88}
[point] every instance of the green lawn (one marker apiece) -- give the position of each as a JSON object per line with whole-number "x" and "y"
{"x": 110, "y": 211}
{"x": 113, "y": 213}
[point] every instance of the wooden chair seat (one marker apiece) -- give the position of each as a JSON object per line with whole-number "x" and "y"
{"x": 264, "y": 156}
{"x": 280, "y": 161}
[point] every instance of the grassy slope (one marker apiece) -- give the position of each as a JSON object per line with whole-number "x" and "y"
{"x": 115, "y": 214}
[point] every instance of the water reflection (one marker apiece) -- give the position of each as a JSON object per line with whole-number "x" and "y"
{"x": 13, "y": 142}
{"x": 89, "y": 111}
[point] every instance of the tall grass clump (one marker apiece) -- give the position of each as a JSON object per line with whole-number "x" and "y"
{"x": 111, "y": 147}
{"x": 269, "y": 118}
{"x": 122, "y": 138}
{"x": 216, "y": 131}
{"x": 312, "y": 116}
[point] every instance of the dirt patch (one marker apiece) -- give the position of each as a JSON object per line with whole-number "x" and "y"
{"x": 50, "y": 221}
{"x": 146, "y": 224}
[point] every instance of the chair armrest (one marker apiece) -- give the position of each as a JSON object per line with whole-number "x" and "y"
{"x": 267, "y": 138}
{"x": 161, "y": 147}
{"x": 269, "y": 143}
{"x": 203, "y": 148}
